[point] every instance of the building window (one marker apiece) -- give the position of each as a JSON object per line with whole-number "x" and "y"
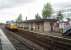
{"x": 38, "y": 27}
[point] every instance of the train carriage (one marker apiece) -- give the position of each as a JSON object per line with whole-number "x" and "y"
{"x": 11, "y": 26}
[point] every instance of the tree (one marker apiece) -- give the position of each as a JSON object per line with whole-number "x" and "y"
{"x": 68, "y": 19}
{"x": 26, "y": 17}
{"x": 60, "y": 16}
{"x": 37, "y": 16}
{"x": 19, "y": 19}
{"x": 47, "y": 11}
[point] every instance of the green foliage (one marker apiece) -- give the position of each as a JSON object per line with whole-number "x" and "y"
{"x": 19, "y": 19}
{"x": 68, "y": 19}
{"x": 47, "y": 11}
{"x": 37, "y": 16}
{"x": 60, "y": 16}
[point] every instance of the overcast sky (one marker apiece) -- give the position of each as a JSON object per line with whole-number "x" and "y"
{"x": 10, "y": 9}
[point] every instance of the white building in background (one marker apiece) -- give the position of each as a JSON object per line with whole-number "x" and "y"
{"x": 65, "y": 11}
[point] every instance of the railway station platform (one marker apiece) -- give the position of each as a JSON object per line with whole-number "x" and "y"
{"x": 5, "y": 43}
{"x": 45, "y": 40}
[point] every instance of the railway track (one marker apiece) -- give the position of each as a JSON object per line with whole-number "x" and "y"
{"x": 0, "y": 45}
{"x": 20, "y": 43}
{"x": 47, "y": 42}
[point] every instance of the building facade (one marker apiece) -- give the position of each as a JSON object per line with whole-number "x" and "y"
{"x": 41, "y": 25}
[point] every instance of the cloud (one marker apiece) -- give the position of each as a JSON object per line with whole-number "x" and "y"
{"x": 61, "y": 3}
{"x": 23, "y": 1}
{"x": 11, "y": 3}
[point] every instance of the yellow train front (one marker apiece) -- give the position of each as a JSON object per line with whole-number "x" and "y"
{"x": 11, "y": 26}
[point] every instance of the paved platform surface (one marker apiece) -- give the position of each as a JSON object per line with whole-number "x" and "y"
{"x": 5, "y": 43}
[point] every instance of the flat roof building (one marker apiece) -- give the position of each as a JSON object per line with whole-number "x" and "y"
{"x": 41, "y": 25}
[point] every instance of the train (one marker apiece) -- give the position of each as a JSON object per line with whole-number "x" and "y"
{"x": 11, "y": 26}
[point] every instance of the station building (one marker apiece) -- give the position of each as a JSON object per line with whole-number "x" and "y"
{"x": 41, "y": 25}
